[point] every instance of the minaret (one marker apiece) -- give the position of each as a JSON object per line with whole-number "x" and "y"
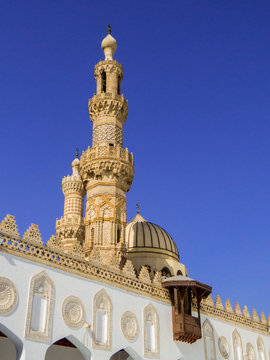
{"x": 107, "y": 169}
{"x": 70, "y": 227}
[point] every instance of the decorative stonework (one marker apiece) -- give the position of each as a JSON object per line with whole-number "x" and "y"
{"x": 224, "y": 347}
{"x": 55, "y": 243}
{"x": 40, "y": 307}
{"x": 157, "y": 279}
{"x": 129, "y": 270}
{"x": 246, "y": 312}
{"x": 151, "y": 331}
{"x": 129, "y": 325}
{"x": 109, "y": 66}
{"x": 237, "y": 345}
{"x": 260, "y": 348}
{"x": 107, "y": 133}
{"x": 102, "y": 321}
{"x": 73, "y": 312}
{"x": 218, "y": 303}
{"x": 8, "y": 295}
{"x": 209, "y": 341}
{"x": 144, "y": 275}
{"x": 32, "y": 234}
{"x": 9, "y": 226}
{"x": 228, "y": 306}
{"x": 101, "y": 106}
{"x": 250, "y": 352}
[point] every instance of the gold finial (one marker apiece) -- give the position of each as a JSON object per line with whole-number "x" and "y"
{"x": 138, "y": 208}
{"x": 77, "y": 153}
{"x": 109, "y": 29}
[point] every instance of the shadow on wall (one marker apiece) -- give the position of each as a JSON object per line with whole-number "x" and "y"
{"x": 10, "y": 345}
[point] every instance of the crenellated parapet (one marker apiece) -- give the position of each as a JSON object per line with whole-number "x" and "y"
{"x": 73, "y": 184}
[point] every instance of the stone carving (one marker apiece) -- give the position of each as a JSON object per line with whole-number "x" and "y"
{"x": 100, "y": 106}
{"x": 209, "y": 341}
{"x": 129, "y": 325}
{"x": 224, "y": 347}
{"x": 144, "y": 275}
{"x": 72, "y": 184}
{"x": 109, "y": 66}
{"x": 151, "y": 331}
{"x": 263, "y": 319}
{"x": 40, "y": 307}
{"x": 107, "y": 132}
{"x": 32, "y": 234}
{"x": 128, "y": 269}
{"x": 246, "y": 312}
{"x": 255, "y": 316}
{"x": 209, "y": 301}
{"x": 218, "y": 303}
{"x": 237, "y": 309}
{"x": 54, "y": 243}
{"x": 95, "y": 257}
{"x": 228, "y": 306}
{"x": 260, "y": 348}
{"x": 8, "y": 295}
{"x": 73, "y": 312}
{"x": 77, "y": 249}
{"x": 237, "y": 345}
{"x": 250, "y": 352}
{"x": 102, "y": 321}
{"x": 157, "y": 279}
{"x": 9, "y": 226}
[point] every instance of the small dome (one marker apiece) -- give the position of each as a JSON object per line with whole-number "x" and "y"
{"x": 75, "y": 166}
{"x": 143, "y": 236}
{"x": 109, "y": 46}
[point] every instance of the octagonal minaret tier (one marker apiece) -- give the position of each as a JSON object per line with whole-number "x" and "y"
{"x": 107, "y": 169}
{"x": 70, "y": 227}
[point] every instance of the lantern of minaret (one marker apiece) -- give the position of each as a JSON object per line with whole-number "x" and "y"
{"x": 70, "y": 228}
{"x": 106, "y": 168}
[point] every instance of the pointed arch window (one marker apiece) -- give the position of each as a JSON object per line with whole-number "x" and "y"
{"x": 209, "y": 341}
{"x": 151, "y": 331}
{"x": 237, "y": 346}
{"x": 40, "y": 306}
{"x": 260, "y": 349}
{"x": 102, "y": 327}
{"x": 118, "y": 85}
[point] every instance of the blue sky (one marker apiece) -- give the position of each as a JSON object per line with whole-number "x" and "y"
{"x": 196, "y": 74}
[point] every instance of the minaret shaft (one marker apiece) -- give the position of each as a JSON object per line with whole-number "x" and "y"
{"x": 107, "y": 169}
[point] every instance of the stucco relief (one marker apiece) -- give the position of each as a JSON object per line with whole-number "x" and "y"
{"x": 40, "y": 307}
{"x": 73, "y": 312}
{"x": 250, "y": 352}
{"x": 151, "y": 331}
{"x": 209, "y": 341}
{"x": 129, "y": 325}
{"x": 224, "y": 347}
{"x": 8, "y": 295}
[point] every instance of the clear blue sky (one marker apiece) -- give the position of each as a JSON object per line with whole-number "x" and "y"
{"x": 197, "y": 81}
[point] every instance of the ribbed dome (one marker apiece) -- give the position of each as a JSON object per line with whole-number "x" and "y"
{"x": 143, "y": 236}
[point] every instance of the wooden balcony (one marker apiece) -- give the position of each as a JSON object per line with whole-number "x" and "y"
{"x": 186, "y": 327}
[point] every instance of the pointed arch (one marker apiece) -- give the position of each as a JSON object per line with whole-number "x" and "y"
{"x": 102, "y": 320}
{"x": 151, "y": 331}
{"x": 237, "y": 346}
{"x": 209, "y": 341}
{"x": 40, "y": 307}
{"x": 260, "y": 349}
{"x": 68, "y": 347}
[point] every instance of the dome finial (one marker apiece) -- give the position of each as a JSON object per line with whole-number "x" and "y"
{"x": 109, "y": 45}
{"x": 138, "y": 208}
{"x": 77, "y": 153}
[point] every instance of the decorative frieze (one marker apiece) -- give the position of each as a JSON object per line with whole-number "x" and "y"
{"x": 73, "y": 312}
{"x": 8, "y": 296}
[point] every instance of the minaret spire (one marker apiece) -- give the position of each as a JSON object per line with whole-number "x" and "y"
{"x": 107, "y": 169}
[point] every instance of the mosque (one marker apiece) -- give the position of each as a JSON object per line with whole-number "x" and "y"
{"x": 104, "y": 289}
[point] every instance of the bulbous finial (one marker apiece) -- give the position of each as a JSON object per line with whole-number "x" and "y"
{"x": 109, "y": 45}
{"x": 76, "y": 164}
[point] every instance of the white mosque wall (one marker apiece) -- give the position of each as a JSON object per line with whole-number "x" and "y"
{"x": 127, "y": 312}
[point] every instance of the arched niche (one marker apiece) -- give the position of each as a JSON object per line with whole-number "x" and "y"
{"x": 151, "y": 331}
{"x": 10, "y": 345}
{"x": 237, "y": 346}
{"x": 67, "y": 348}
{"x": 260, "y": 349}
{"x": 209, "y": 341}
{"x": 102, "y": 320}
{"x": 40, "y": 306}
